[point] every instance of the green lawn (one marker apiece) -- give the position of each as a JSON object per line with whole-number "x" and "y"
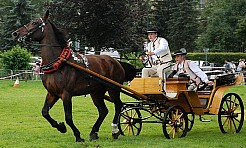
{"x": 22, "y": 124}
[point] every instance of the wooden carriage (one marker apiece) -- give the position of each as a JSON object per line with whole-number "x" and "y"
{"x": 176, "y": 108}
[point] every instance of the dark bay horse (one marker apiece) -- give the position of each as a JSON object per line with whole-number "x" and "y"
{"x": 64, "y": 81}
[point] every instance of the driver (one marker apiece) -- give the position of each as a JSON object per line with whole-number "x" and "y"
{"x": 159, "y": 56}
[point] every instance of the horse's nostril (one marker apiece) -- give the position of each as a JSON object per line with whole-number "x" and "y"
{"x": 14, "y": 34}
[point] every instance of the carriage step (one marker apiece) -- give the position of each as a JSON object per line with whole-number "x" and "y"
{"x": 203, "y": 119}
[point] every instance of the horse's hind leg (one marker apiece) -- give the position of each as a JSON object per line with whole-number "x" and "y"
{"x": 102, "y": 110}
{"x": 115, "y": 96}
{"x": 67, "y": 103}
{"x": 48, "y": 104}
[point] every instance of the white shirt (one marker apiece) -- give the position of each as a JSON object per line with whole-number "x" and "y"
{"x": 163, "y": 47}
{"x": 194, "y": 68}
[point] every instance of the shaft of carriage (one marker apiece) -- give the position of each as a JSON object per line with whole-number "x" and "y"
{"x": 108, "y": 81}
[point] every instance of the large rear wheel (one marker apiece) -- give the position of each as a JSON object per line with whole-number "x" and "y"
{"x": 175, "y": 123}
{"x": 130, "y": 122}
{"x": 231, "y": 113}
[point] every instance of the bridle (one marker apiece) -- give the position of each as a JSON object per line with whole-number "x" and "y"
{"x": 57, "y": 63}
{"x": 41, "y": 26}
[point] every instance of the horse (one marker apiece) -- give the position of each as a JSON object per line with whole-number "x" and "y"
{"x": 63, "y": 81}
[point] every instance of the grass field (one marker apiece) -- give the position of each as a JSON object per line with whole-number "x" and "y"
{"x": 22, "y": 124}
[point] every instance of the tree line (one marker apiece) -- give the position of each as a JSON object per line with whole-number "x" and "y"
{"x": 219, "y": 25}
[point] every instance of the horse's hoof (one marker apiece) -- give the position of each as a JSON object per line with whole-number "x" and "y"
{"x": 116, "y": 135}
{"x": 61, "y": 127}
{"x": 93, "y": 136}
{"x": 80, "y": 140}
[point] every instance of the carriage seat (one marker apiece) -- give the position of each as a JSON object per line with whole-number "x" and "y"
{"x": 154, "y": 85}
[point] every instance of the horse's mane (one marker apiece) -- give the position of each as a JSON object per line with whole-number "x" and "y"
{"x": 59, "y": 35}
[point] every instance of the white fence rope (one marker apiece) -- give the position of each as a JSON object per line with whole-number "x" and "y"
{"x": 21, "y": 74}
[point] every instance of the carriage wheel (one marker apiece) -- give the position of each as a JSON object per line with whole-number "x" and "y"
{"x": 130, "y": 122}
{"x": 175, "y": 123}
{"x": 191, "y": 119}
{"x": 231, "y": 113}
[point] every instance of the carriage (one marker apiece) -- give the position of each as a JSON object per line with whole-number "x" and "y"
{"x": 176, "y": 109}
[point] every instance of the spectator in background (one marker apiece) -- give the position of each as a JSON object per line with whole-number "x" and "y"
{"x": 228, "y": 66}
{"x": 241, "y": 65}
{"x": 36, "y": 71}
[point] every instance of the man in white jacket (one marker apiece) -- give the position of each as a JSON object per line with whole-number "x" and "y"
{"x": 159, "y": 56}
{"x": 197, "y": 76}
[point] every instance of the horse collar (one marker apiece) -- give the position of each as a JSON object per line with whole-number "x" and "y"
{"x": 56, "y": 64}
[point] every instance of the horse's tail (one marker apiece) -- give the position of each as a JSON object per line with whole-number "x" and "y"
{"x": 130, "y": 71}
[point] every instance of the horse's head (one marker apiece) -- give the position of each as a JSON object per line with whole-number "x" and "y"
{"x": 34, "y": 30}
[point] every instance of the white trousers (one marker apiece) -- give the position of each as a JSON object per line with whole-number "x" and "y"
{"x": 156, "y": 70}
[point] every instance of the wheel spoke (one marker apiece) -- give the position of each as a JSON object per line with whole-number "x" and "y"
{"x": 230, "y": 125}
{"x": 132, "y": 130}
{"x": 170, "y": 131}
{"x": 125, "y": 127}
{"x": 234, "y": 124}
{"x": 225, "y": 121}
{"x": 226, "y": 102}
{"x": 134, "y": 115}
{"x": 236, "y": 119}
{"x": 174, "y": 132}
{"x": 179, "y": 116}
{"x": 224, "y": 109}
{"x": 135, "y": 126}
{"x": 129, "y": 130}
{"x": 235, "y": 107}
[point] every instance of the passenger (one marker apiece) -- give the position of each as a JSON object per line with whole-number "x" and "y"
{"x": 159, "y": 56}
{"x": 197, "y": 76}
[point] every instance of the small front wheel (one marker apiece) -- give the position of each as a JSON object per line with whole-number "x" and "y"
{"x": 130, "y": 122}
{"x": 231, "y": 113}
{"x": 175, "y": 123}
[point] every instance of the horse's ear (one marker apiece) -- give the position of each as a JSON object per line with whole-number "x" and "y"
{"x": 46, "y": 16}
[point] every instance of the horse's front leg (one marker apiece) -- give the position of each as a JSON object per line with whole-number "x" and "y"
{"x": 67, "y": 103}
{"x": 48, "y": 104}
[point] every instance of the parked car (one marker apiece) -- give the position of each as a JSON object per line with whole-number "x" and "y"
{"x": 204, "y": 65}
{"x": 35, "y": 60}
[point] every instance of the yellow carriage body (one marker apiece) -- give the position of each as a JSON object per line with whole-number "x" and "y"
{"x": 177, "y": 94}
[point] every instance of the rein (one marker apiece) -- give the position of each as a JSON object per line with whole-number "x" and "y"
{"x": 57, "y": 63}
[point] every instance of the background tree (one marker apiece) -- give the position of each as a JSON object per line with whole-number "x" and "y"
{"x": 177, "y": 21}
{"x": 101, "y": 23}
{"x": 223, "y": 25}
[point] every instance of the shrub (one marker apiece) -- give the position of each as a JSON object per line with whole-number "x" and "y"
{"x": 16, "y": 59}
{"x": 217, "y": 58}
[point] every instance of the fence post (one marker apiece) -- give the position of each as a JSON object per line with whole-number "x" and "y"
{"x": 12, "y": 73}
